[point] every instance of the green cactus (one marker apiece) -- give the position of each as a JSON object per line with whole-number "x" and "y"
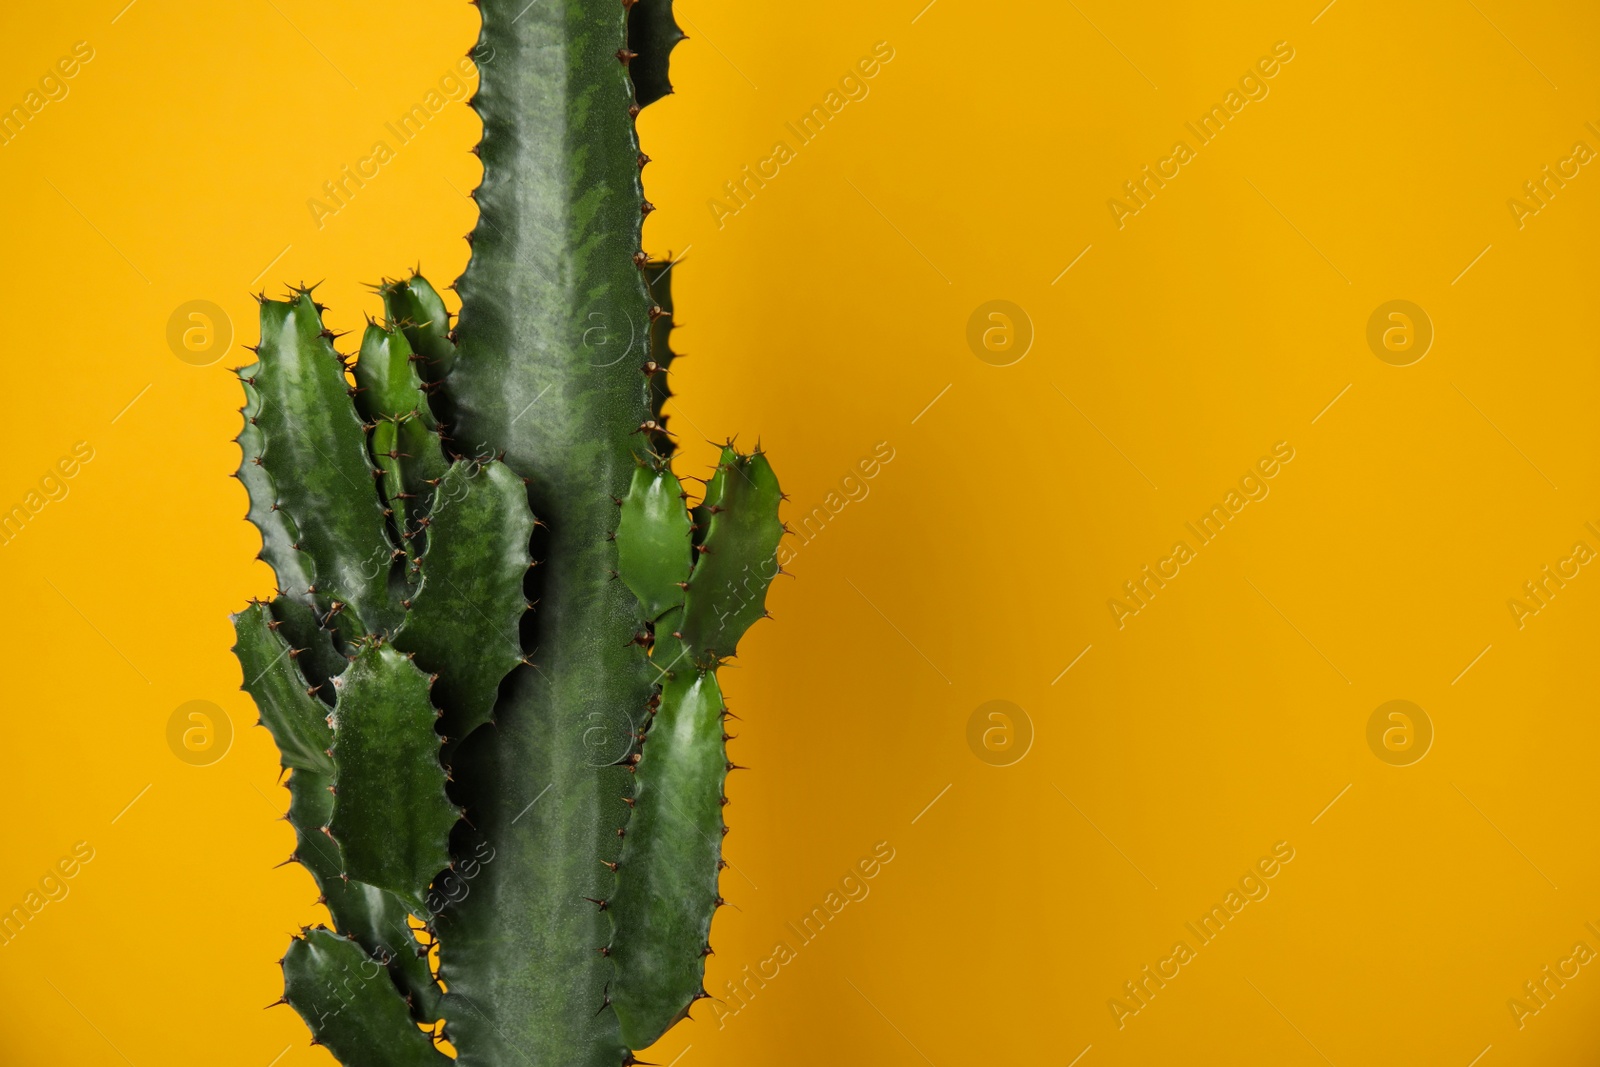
{"x": 504, "y": 736}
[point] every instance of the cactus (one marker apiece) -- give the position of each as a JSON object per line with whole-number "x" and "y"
{"x": 491, "y": 664}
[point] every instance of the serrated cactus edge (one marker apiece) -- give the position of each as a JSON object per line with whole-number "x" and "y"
{"x": 491, "y": 663}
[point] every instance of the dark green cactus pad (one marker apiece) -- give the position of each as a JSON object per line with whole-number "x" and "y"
{"x": 667, "y": 882}
{"x": 415, "y": 306}
{"x": 292, "y": 568}
{"x": 464, "y": 618}
{"x": 653, "y": 542}
{"x": 298, "y": 723}
{"x": 320, "y": 659}
{"x": 387, "y": 383}
{"x": 297, "y": 720}
{"x": 737, "y": 557}
{"x": 376, "y": 919}
{"x": 346, "y": 998}
{"x": 315, "y": 450}
{"x": 299, "y": 610}
{"x": 652, "y": 35}
{"x": 405, "y": 442}
{"x": 391, "y": 816}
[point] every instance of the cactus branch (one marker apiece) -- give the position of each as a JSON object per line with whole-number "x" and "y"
{"x": 391, "y": 816}
{"x": 667, "y": 886}
{"x": 343, "y": 995}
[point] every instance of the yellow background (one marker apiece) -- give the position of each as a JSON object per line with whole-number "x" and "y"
{"x": 824, "y": 317}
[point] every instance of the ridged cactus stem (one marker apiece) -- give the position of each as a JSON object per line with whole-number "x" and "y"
{"x": 554, "y": 319}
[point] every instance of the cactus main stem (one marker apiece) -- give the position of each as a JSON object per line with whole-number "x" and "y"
{"x": 554, "y": 322}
